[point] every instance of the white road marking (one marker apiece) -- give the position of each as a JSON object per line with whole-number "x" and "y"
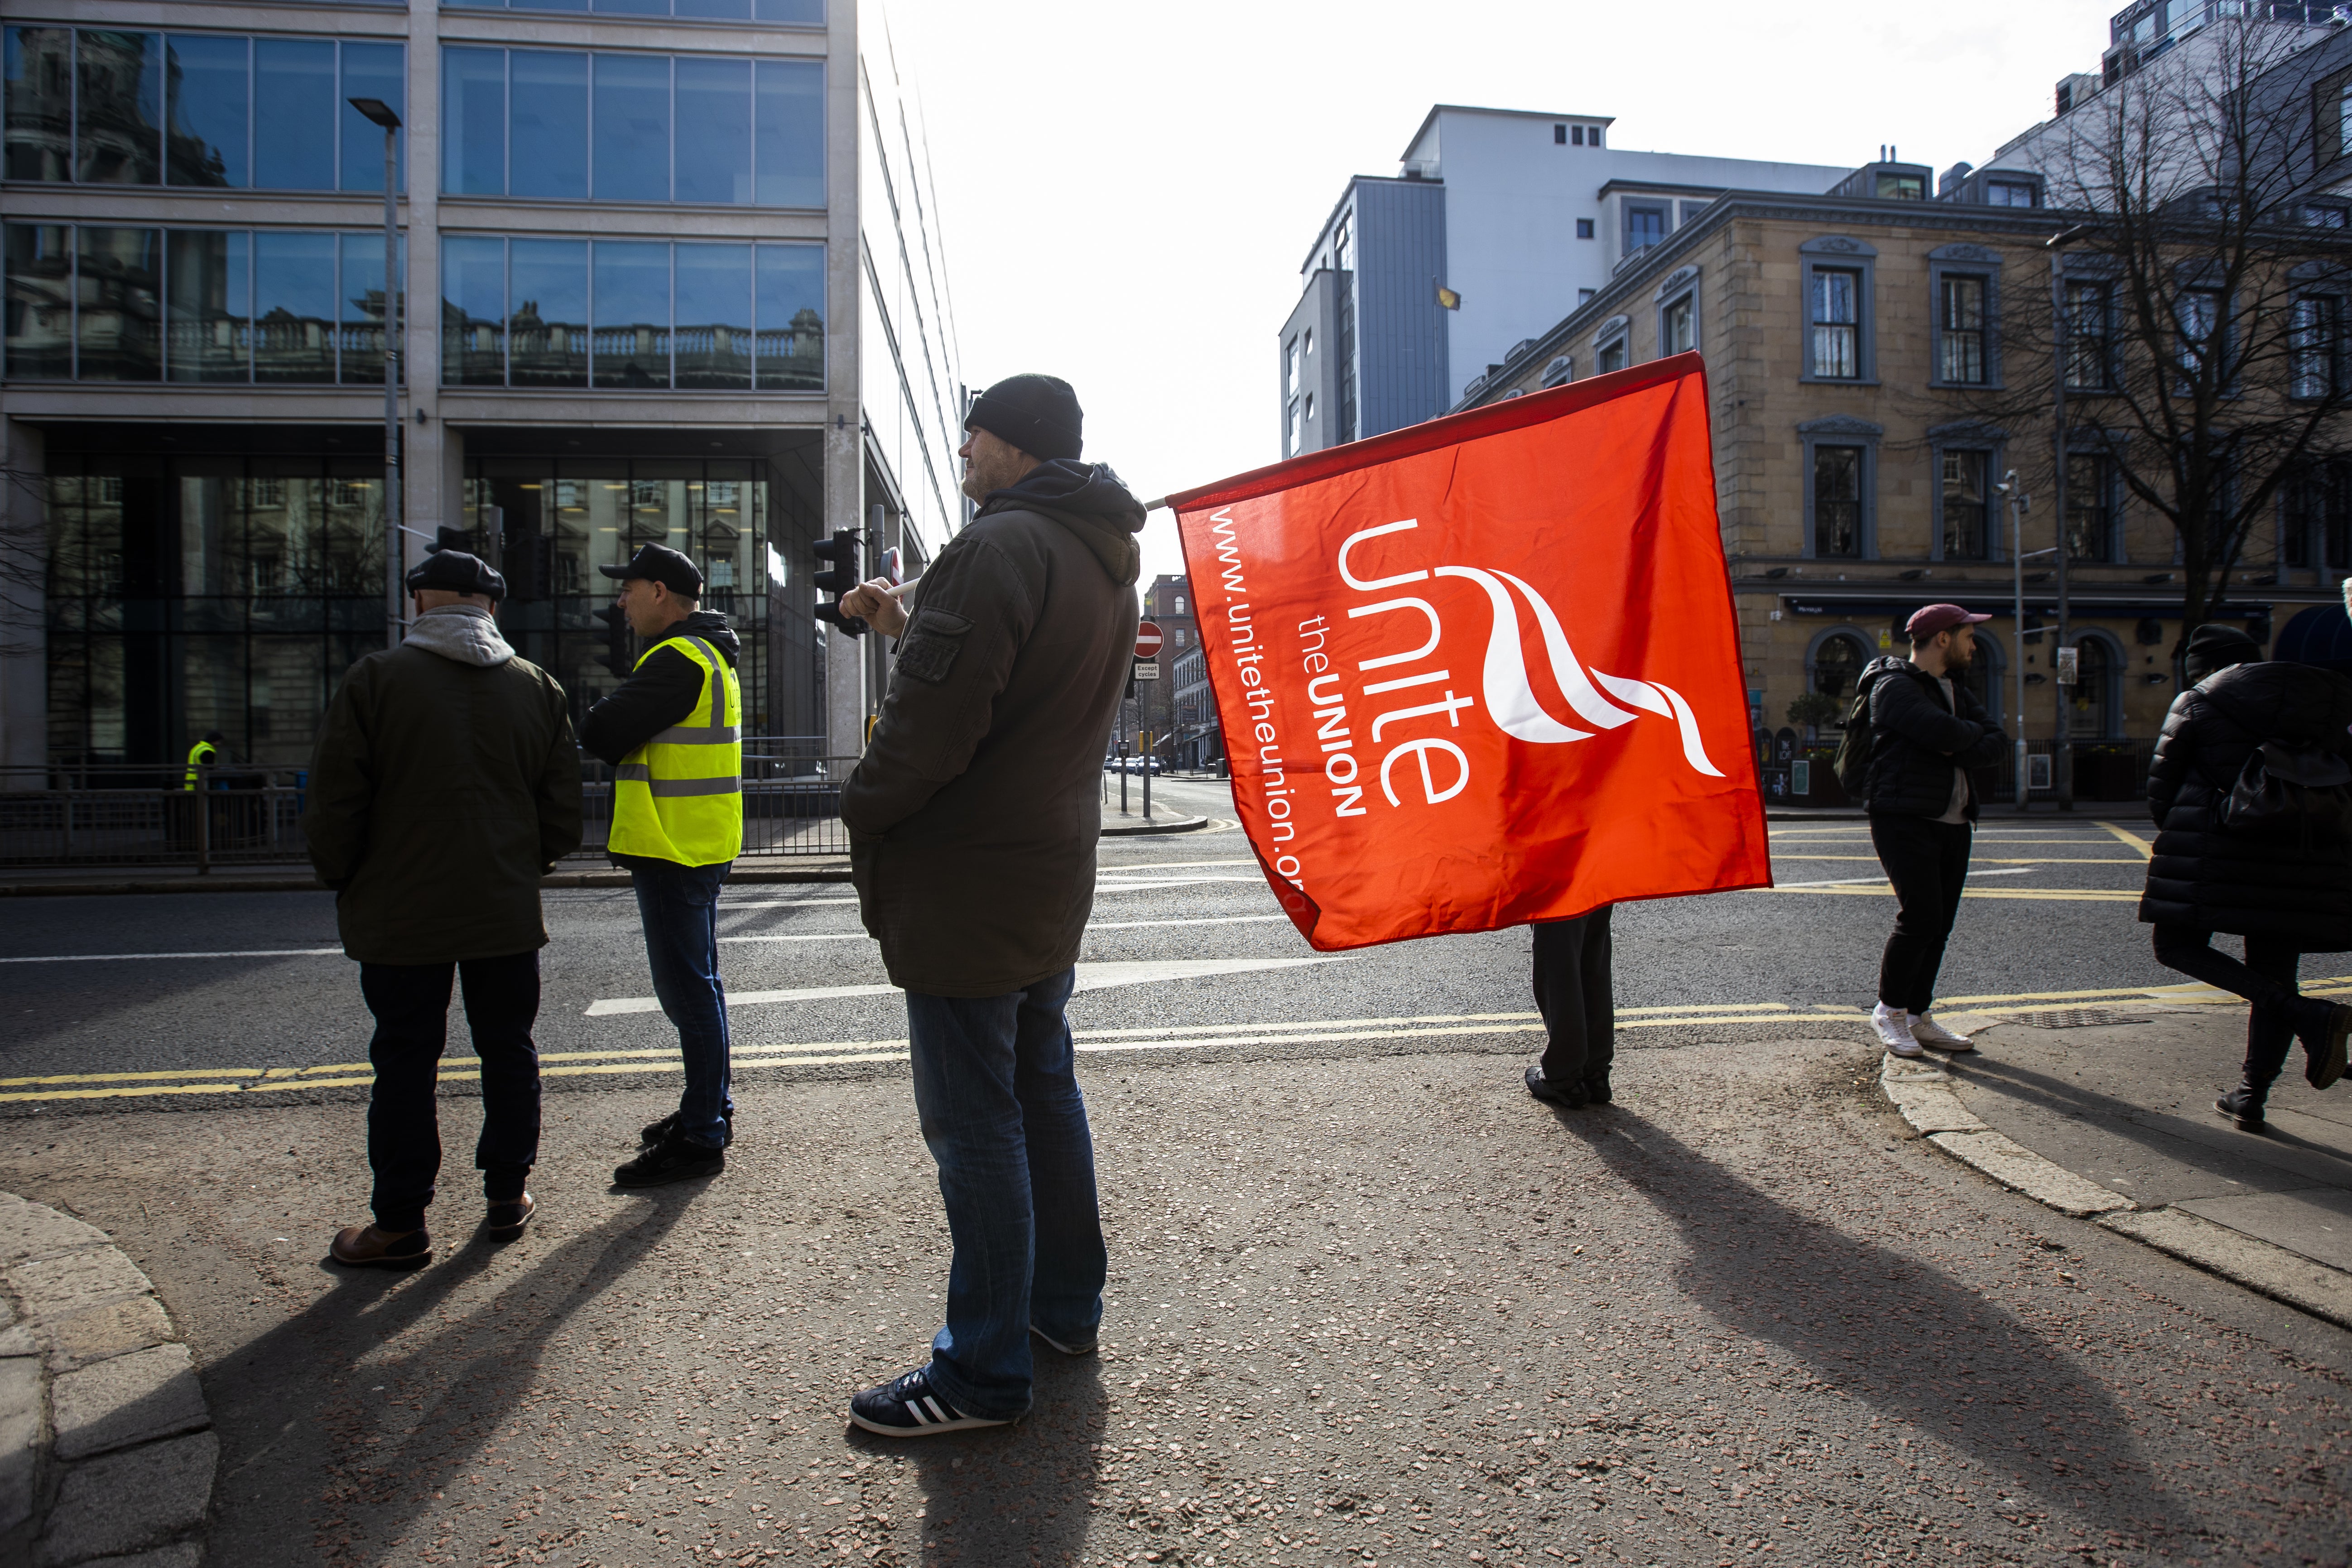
{"x": 785, "y": 904}
{"x": 1091, "y": 977}
{"x": 247, "y": 953}
{"x": 1850, "y": 881}
{"x": 1110, "y": 887}
{"x": 815, "y": 936}
{"x": 1202, "y": 921}
{"x": 1108, "y": 869}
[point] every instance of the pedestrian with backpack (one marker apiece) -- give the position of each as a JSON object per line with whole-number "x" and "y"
{"x": 2252, "y": 791}
{"x": 1914, "y": 734}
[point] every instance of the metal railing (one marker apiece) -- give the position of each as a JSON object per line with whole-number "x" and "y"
{"x": 143, "y": 815}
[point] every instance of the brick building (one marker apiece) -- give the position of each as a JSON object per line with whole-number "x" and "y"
{"x": 1167, "y": 604}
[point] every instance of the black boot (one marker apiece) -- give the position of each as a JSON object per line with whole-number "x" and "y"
{"x": 2324, "y": 1034}
{"x": 2244, "y": 1105}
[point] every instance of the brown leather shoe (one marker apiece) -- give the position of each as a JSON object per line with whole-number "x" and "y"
{"x": 504, "y": 1222}
{"x": 366, "y": 1247}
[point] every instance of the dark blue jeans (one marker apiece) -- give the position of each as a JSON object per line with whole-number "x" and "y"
{"x": 411, "y": 1004}
{"x": 1001, "y": 1112}
{"x": 679, "y": 906}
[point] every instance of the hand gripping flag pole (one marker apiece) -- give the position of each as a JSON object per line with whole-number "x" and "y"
{"x": 1484, "y": 671}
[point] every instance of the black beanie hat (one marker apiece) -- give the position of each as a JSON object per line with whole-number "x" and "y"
{"x": 1038, "y": 414}
{"x": 2214, "y": 647}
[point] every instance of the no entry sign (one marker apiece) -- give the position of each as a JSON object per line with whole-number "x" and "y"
{"x": 1146, "y": 639}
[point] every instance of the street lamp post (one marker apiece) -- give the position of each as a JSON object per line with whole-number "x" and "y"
{"x": 396, "y": 602}
{"x": 2018, "y": 503}
{"x": 2061, "y": 744}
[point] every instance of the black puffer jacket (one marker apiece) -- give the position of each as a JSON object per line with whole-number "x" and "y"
{"x": 2206, "y": 878}
{"x": 1916, "y": 739}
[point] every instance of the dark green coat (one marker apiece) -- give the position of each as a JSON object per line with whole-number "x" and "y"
{"x": 443, "y": 786}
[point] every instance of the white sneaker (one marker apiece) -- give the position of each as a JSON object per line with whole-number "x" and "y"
{"x": 1935, "y": 1035}
{"x": 1893, "y": 1027}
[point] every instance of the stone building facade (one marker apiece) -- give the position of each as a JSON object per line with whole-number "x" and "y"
{"x": 1852, "y": 344}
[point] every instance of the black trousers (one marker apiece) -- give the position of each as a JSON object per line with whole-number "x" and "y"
{"x": 411, "y": 1004}
{"x": 1576, "y": 996}
{"x": 1927, "y": 862}
{"x": 2268, "y": 979}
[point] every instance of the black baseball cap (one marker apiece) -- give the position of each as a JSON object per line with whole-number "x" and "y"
{"x": 454, "y": 572}
{"x": 660, "y": 563}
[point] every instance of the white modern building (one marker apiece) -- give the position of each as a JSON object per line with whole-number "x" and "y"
{"x": 674, "y": 276}
{"x": 1519, "y": 217}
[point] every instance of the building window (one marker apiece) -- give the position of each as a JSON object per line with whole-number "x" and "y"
{"x": 1901, "y": 187}
{"x": 1559, "y": 135}
{"x": 2090, "y": 334}
{"x": 2316, "y": 523}
{"x": 1560, "y": 372}
{"x": 1592, "y": 136}
{"x": 1678, "y": 324}
{"x": 1836, "y": 666}
{"x": 774, "y": 13}
{"x": 1584, "y": 228}
{"x": 1584, "y": 297}
{"x": 2198, "y": 315}
{"x": 1960, "y": 356}
{"x": 1310, "y": 408}
{"x": 2090, "y": 705}
{"x": 1306, "y": 342}
{"x": 1835, "y": 316}
{"x": 2322, "y": 215}
{"x": 164, "y": 109}
{"x": 1290, "y": 368}
{"x": 1646, "y": 225}
{"x": 1837, "y": 500}
{"x": 2011, "y": 194}
{"x": 1290, "y": 433}
{"x": 1180, "y": 604}
{"x": 2315, "y": 343}
{"x": 2090, "y": 507}
{"x": 1965, "y": 494}
{"x": 632, "y": 314}
{"x": 633, "y": 127}
{"x": 1609, "y": 356}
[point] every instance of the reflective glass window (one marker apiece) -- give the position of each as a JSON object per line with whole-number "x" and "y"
{"x": 713, "y": 335}
{"x": 40, "y": 65}
{"x": 294, "y": 115}
{"x": 119, "y": 135}
{"x": 473, "y": 311}
{"x": 40, "y": 299}
{"x": 118, "y": 304}
{"x": 294, "y": 307}
{"x": 208, "y": 323}
{"x": 547, "y": 321}
{"x": 360, "y": 293}
{"x": 789, "y": 148}
{"x": 714, "y": 130}
{"x": 209, "y": 106}
{"x": 801, "y": 12}
{"x": 632, "y": 128}
{"x": 371, "y": 70}
{"x": 634, "y": 7}
{"x": 791, "y": 318}
{"x": 715, "y": 10}
{"x": 631, "y": 313}
{"x": 550, "y": 125}
{"x": 473, "y": 119}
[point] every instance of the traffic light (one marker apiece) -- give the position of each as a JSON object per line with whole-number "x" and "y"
{"x": 838, "y": 554}
{"x": 616, "y": 640}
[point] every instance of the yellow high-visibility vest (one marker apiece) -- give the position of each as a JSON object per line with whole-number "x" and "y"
{"x": 680, "y": 796}
{"x": 201, "y": 755}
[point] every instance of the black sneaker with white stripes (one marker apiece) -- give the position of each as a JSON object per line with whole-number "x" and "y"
{"x": 910, "y": 1407}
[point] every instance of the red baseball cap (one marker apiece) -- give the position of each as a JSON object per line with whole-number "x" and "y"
{"x": 1925, "y": 624}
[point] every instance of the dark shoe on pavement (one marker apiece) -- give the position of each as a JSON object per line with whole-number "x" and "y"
{"x": 366, "y": 1247}
{"x": 504, "y": 1221}
{"x": 671, "y": 1160}
{"x": 909, "y": 1407}
{"x": 2325, "y": 1048}
{"x": 1596, "y": 1089}
{"x": 1067, "y": 1346}
{"x": 1568, "y": 1095}
{"x": 2243, "y": 1105}
{"x": 654, "y": 1132}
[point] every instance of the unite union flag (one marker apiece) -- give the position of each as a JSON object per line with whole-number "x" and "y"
{"x": 1484, "y": 671}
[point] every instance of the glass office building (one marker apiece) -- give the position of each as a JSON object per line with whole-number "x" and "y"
{"x": 656, "y": 282}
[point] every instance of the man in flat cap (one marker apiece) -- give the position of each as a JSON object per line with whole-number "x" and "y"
{"x": 673, "y": 732}
{"x": 973, "y": 818}
{"x": 443, "y": 786}
{"x": 1926, "y": 730}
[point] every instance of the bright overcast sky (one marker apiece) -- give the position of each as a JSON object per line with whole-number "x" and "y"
{"x": 1128, "y": 189}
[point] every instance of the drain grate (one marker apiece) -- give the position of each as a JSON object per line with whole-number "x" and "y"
{"x": 2076, "y": 1018}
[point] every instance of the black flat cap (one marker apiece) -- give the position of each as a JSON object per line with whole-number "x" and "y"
{"x": 454, "y": 572}
{"x": 660, "y": 563}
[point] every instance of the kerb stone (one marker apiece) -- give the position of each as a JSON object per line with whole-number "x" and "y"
{"x": 53, "y": 1288}
{"x": 133, "y": 1398}
{"x": 129, "y": 1502}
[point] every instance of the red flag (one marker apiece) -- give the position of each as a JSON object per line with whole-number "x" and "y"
{"x": 1485, "y": 670}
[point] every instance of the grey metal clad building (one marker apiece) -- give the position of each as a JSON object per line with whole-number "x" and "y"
{"x": 668, "y": 272}
{"x": 1519, "y": 216}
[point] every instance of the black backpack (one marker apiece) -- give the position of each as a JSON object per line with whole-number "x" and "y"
{"x": 1851, "y": 763}
{"x": 2288, "y": 789}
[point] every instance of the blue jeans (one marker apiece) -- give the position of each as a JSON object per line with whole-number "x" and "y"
{"x": 1001, "y": 1112}
{"x": 679, "y": 906}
